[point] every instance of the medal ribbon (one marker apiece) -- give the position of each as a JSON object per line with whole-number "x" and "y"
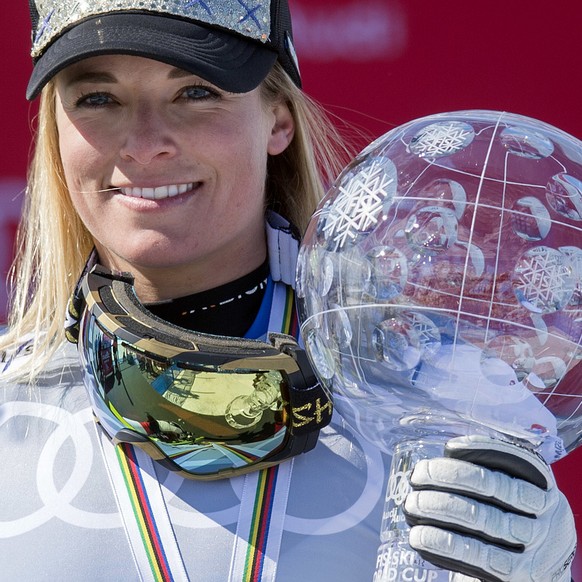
{"x": 144, "y": 512}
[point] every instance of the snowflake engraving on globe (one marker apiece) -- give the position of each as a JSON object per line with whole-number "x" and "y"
{"x": 360, "y": 201}
{"x": 440, "y": 283}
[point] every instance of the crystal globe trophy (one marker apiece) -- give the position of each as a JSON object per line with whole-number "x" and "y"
{"x": 439, "y": 288}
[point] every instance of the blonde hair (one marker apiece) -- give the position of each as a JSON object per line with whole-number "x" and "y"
{"x": 53, "y": 243}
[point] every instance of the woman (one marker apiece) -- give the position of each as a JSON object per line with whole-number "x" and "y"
{"x": 175, "y": 144}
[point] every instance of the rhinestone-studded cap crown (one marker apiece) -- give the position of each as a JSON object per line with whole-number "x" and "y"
{"x": 50, "y": 18}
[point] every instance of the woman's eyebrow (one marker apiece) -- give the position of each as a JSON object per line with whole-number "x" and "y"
{"x": 106, "y": 77}
{"x": 177, "y": 73}
{"x": 91, "y": 77}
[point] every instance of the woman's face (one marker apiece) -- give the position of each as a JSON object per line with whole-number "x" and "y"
{"x": 167, "y": 171}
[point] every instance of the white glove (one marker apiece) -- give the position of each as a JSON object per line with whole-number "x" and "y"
{"x": 492, "y": 510}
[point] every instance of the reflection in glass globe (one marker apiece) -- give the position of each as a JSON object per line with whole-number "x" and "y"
{"x": 440, "y": 285}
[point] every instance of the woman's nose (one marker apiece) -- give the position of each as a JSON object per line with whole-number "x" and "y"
{"x": 148, "y": 136}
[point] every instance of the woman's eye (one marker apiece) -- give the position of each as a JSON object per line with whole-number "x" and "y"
{"x": 198, "y": 93}
{"x": 95, "y": 100}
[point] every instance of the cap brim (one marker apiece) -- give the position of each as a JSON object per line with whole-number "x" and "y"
{"x": 226, "y": 60}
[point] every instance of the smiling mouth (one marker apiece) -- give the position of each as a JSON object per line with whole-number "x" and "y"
{"x": 157, "y": 193}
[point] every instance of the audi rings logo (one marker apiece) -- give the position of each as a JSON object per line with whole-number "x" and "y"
{"x": 61, "y": 464}
{"x": 398, "y": 487}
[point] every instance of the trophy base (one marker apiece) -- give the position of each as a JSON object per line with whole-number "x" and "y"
{"x": 396, "y": 560}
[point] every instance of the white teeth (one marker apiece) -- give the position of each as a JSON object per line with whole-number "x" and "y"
{"x": 157, "y": 193}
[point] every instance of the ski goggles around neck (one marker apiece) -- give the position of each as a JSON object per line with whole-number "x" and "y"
{"x": 207, "y": 407}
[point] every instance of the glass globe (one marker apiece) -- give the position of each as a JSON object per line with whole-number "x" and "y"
{"x": 439, "y": 283}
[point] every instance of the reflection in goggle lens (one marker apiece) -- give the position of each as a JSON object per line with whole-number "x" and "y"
{"x": 183, "y": 407}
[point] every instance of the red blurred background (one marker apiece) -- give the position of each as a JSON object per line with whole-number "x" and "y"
{"x": 377, "y": 64}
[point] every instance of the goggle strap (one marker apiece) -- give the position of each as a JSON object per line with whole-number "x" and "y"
{"x": 311, "y": 407}
{"x": 76, "y": 302}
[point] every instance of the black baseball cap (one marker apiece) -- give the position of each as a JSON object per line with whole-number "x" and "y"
{"x": 230, "y": 43}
